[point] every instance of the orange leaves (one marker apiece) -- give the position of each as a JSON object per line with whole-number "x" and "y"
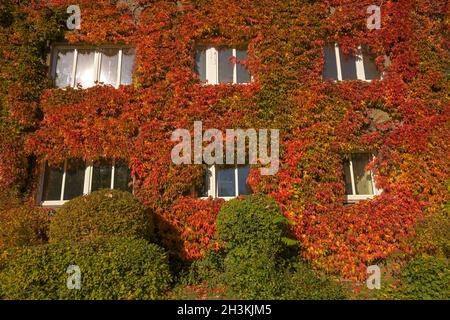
{"x": 193, "y": 222}
{"x": 318, "y": 121}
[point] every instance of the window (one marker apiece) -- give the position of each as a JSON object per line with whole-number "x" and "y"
{"x": 339, "y": 66}
{"x": 226, "y": 182}
{"x": 76, "y": 177}
{"x": 221, "y": 65}
{"x": 359, "y": 183}
{"x": 85, "y": 66}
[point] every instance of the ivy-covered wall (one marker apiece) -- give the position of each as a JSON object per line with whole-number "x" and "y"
{"x": 319, "y": 121}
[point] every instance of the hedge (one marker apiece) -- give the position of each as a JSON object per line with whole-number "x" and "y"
{"x": 110, "y": 269}
{"x": 102, "y": 213}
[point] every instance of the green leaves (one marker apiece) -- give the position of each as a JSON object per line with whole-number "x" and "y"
{"x": 114, "y": 268}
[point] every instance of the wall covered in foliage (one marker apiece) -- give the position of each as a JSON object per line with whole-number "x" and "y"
{"x": 319, "y": 121}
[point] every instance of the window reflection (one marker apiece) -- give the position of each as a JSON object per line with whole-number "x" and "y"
{"x": 109, "y": 66}
{"x": 85, "y": 73}
{"x": 64, "y": 68}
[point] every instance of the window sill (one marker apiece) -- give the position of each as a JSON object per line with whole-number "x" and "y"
{"x": 356, "y": 198}
{"x": 339, "y": 81}
{"x": 52, "y": 204}
{"x": 224, "y": 198}
{"x": 207, "y": 84}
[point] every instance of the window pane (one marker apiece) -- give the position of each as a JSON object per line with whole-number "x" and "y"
{"x": 52, "y": 183}
{"x": 226, "y": 182}
{"x": 225, "y": 66}
{"x": 200, "y": 63}
{"x": 243, "y": 76}
{"x": 348, "y": 66}
{"x": 128, "y": 56}
{"x": 64, "y": 68}
{"x": 242, "y": 180}
{"x": 85, "y": 75}
{"x": 122, "y": 176}
{"x": 329, "y": 67}
{"x": 109, "y": 66}
{"x": 74, "y": 179}
{"x": 101, "y": 174}
{"x": 363, "y": 179}
{"x": 348, "y": 178}
{"x": 370, "y": 67}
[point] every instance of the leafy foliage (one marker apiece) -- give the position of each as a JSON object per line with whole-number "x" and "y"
{"x": 255, "y": 222}
{"x": 99, "y": 214}
{"x": 256, "y": 264}
{"x": 304, "y": 284}
{"x": 253, "y": 275}
{"x": 319, "y": 121}
{"x": 24, "y": 226}
{"x": 115, "y": 268}
{"x": 423, "y": 278}
{"x": 188, "y": 228}
{"x": 433, "y": 234}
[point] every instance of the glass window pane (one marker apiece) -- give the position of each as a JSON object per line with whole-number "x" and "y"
{"x": 329, "y": 67}
{"x": 242, "y": 180}
{"x": 370, "y": 67}
{"x": 53, "y": 177}
{"x": 74, "y": 179}
{"x": 122, "y": 176}
{"x": 348, "y": 66}
{"x": 363, "y": 179}
{"x": 200, "y": 63}
{"x": 225, "y": 66}
{"x": 348, "y": 178}
{"x": 101, "y": 174}
{"x": 243, "y": 76}
{"x": 85, "y": 75}
{"x": 128, "y": 56}
{"x": 64, "y": 68}
{"x": 226, "y": 186}
{"x": 109, "y": 66}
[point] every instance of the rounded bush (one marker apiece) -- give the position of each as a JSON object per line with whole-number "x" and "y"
{"x": 114, "y": 268}
{"x": 101, "y": 213}
{"x": 24, "y": 226}
{"x": 255, "y": 221}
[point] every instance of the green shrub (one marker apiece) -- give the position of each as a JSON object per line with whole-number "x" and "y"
{"x": 114, "y": 268}
{"x": 423, "y": 278}
{"x": 210, "y": 269}
{"x": 305, "y": 284}
{"x": 24, "y": 226}
{"x": 250, "y": 275}
{"x": 102, "y": 213}
{"x": 255, "y": 266}
{"x": 255, "y": 222}
{"x": 253, "y": 276}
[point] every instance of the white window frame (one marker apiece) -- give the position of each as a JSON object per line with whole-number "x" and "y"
{"x": 213, "y": 189}
{"x": 86, "y": 187}
{"x": 212, "y": 67}
{"x": 352, "y": 198}
{"x": 97, "y": 62}
{"x": 360, "y": 73}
